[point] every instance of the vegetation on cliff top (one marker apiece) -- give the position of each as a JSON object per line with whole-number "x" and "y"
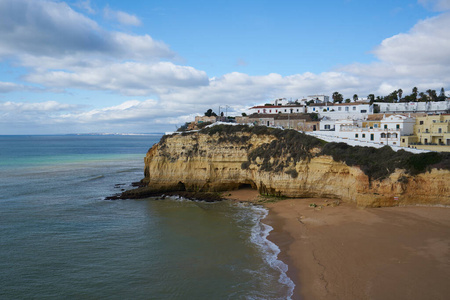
{"x": 380, "y": 163}
{"x": 291, "y": 146}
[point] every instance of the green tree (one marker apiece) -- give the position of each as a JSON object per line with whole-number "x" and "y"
{"x": 423, "y": 97}
{"x": 400, "y": 93}
{"x": 414, "y": 93}
{"x": 355, "y": 97}
{"x": 371, "y": 98}
{"x": 432, "y": 95}
{"x": 347, "y": 100}
{"x": 337, "y": 97}
{"x": 210, "y": 113}
{"x": 244, "y": 114}
{"x": 442, "y": 95}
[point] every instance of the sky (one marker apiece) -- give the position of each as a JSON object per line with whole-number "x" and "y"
{"x": 99, "y": 66}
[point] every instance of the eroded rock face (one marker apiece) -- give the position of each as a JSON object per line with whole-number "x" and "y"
{"x": 203, "y": 162}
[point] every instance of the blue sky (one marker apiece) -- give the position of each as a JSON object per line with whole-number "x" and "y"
{"x": 149, "y": 66}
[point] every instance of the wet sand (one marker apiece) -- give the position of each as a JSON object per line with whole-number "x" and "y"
{"x": 343, "y": 252}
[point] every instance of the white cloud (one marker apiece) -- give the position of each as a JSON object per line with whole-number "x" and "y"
{"x": 48, "y": 28}
{"x": 121, "y": 17}
{"x": 48, "y": 106}
{"x": 437, "y": 5}
{"x": 6, "y": 87}
{"x": 63, "y": 49}
{"x": 129, "y": 78}
{"x": 85, "y": 5}
{"x": 427, "y": 43}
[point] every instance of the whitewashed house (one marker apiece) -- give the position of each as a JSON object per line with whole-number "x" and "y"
{"x": 318, "y": 98}
{"x": 278, "y": 109}
{"x": 414, "y": 107}
{"x": 336, "y": 111}
{"x": 387, "y": 131}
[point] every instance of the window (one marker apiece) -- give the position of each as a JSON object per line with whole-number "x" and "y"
{"x": 297, "y": 109}
{"x": 328, "y": 108}
{"x": 440, "y": 130}
{"x": 364, "y": 135}
{"x": 346, "y": 109}
{"x": 397, "y": 126}
{"x": 421, "y": 122}
{"x": 356, "y": 135}
{"x": 354, "y": 107}
{"x": 314, "y": 108}
{"x": 285, "y": 110}
{"x": 385, "y": 126}
{"x": 339, "y": 108}
{"x": 270, "y": 111}
{"x": 375, "y": 125}
{"x": 363, "y": 111}
{"x": 371, "y": 137}
{"x": 403, "y": 140}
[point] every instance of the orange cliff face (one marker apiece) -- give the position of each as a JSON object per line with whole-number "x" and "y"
{"x": 199, "y": 162}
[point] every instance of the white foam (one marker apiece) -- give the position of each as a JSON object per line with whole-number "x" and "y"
{"x": 259, "y": 234}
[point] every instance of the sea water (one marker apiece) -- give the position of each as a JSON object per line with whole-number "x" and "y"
{"x": 60, "y": 239}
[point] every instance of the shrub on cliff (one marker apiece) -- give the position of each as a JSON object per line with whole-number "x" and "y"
{"x": 378, "y": 164}
{"x": 290, "y": 147}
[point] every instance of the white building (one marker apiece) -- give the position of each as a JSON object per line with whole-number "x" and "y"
{"x": 336, "y": 111}
{"x": 387, "y": 131}
{"x": 278, "y": 109}
{"x": 318, "y": 98}
{"x": 281, "y": 101}
{"x": 327, "y": 125}
{"x": 413, "y": 107}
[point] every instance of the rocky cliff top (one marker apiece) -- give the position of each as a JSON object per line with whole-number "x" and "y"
{"x": 292, "y": 164}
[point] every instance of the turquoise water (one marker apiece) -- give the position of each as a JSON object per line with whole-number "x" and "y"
{"x": 60, "y": 239}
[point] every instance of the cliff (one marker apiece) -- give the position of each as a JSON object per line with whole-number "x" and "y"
{"x": 291, "y": 164}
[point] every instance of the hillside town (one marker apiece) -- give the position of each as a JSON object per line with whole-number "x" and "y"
{"x": 416, "y": 126}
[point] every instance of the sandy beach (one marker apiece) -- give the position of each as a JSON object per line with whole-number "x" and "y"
{"x": 344, "y": 252}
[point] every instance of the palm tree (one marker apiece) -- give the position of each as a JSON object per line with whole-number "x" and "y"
{"x": 432, "y": 94}
{"x": 337, "y": 97}
{"x": 423, "y": 97}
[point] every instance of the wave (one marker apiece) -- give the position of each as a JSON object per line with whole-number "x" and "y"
{"x": 259, "y": 234}
{"x": 129, "y": 170}
{"x": 94, "y": 178}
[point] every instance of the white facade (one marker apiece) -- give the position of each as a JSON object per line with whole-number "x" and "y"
{"x": 281, "y": 101}
{"x": 332, "y": 111}
{"x": 327, "y": 125}
{"x": 318, "y": 98}
{"x": 406, "y": 107}
{"x": 389, "y": 132}
{"x": 272, "y": 109}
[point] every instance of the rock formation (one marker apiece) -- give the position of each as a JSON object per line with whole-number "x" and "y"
{"x": 291, "y": 164}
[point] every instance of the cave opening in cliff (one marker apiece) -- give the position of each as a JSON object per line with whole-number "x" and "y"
{"x": 247, "y": 185}
{"x": 181, "y": 186}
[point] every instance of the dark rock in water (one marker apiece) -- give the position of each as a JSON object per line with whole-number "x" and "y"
{"x": 200, "y": 196}
{"x": 146, "y": 192}
{"x": 138, "y": 184}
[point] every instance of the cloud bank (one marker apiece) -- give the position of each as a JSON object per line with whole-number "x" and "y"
{"x": 63, "y": 49}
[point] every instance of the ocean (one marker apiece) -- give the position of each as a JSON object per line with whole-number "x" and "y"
{"x": 59, "y": 238}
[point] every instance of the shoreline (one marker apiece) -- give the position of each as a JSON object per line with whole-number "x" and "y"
{"x": 345, "y": 252}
